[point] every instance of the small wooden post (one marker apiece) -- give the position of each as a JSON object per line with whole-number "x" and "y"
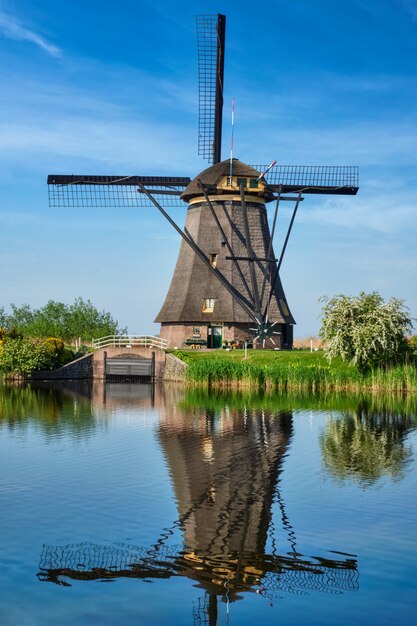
{"x": 153, "y": 366}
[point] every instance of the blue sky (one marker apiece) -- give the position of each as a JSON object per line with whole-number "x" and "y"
{"x": 98, "y": 87}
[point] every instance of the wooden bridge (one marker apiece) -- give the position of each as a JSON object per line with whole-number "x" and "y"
{"x": 128, "y": 357}
{"x": 119, "y": 358}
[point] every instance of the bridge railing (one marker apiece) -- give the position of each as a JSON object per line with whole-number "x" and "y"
{"x": 128, "y": 341}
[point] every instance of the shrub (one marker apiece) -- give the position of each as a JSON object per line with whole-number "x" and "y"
{"x": 23, "y": 356}
{"x": 180, "y": 354}
{"x": 59, "y": 354}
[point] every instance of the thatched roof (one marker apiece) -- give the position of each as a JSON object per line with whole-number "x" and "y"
{"x": 213, "y": 175}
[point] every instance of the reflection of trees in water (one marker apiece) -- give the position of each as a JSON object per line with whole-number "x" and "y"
{"x": 50, "y": 407}
{"x": 366, "y": 445}
{"x": 216, "y": 399}
{"x": 71, "y": 407}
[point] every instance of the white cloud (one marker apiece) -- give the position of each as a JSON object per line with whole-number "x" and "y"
{"x": 117, "y": 143}
{"x": 12, "y": 29}
{"x": 92, "y": 125}
{"x": 369, "y": 143}
{"x": 384, "y": 212}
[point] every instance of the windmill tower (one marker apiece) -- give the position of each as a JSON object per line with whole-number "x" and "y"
{"x": 226, "y": 286}
{"x": 227, "y": 219}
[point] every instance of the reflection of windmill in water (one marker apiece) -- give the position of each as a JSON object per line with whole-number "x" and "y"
{"x": 225, "y": 467}
{"x": 226, "y": 285}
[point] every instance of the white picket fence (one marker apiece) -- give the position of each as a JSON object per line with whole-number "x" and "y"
{"x": 128, "y": 341}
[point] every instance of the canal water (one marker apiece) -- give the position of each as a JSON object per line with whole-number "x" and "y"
{"x": 128, "y": 504}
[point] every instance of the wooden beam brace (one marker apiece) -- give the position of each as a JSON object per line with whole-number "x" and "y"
{"x": 225, "y": 239}
{"x": 241, "y": 300}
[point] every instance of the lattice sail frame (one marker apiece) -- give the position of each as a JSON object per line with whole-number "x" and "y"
{"x": 210, "y": 54}
{"x": 313, "y": 179}
{"x": 113, "y": 191}
{"x": 124, "y": 191}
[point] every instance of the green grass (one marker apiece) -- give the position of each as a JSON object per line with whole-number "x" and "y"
{"x": 296, "y": 370}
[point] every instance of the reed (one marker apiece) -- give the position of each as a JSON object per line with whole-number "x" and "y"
{"x": 296, "y": 371}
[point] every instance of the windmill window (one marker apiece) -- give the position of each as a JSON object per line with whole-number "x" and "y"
{"x": 208, "y": 305}
{"x": 213, "y": 259}
{"x": 284, "y": 307}
{"x": 241, "y": 181}
{"x": 253, "y": 183}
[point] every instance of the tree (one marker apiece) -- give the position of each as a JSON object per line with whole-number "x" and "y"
{"x": 56, "y": 319}
{"x": 364, "y": 330}
{"x": 85, "y": 321}
{"x": 52, "y": 320}
{"x": 20, "y": 317}
{"x": 3, "y": 317}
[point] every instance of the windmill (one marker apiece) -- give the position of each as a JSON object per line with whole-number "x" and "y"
{"x": 226, "y": 286}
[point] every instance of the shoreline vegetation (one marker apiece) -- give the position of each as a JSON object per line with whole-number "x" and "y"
{"x": 364, "y": 346}
{"x": 295, "y": 371}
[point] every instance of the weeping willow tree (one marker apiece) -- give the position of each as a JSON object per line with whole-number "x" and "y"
{"x": 366, "y": 447}
{"x": 364, "y": 330}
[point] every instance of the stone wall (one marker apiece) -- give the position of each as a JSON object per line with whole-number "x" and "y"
{"x": 174, "y": 368}
{"x": 82, "y": 368}
{"x": 92, "y": 366}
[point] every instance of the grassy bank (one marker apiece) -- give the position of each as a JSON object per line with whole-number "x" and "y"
{"x": 296, "y": 370}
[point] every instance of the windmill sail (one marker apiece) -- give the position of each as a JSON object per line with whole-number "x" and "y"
{"x": 124, "y": 191}
{"x": 313, "y": 179}
{"x": 211, "y": 31}
{"x": 226, "y": 287}
{"x": 114, "y": 191}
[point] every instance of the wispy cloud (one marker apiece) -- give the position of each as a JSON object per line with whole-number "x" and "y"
{"x": 126, "y": 145}
{"x": 94, "y": 128}
{"x": 12, "y": 29}
{"x": 368, "y": 143}
{"x": 383, "y": 214}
